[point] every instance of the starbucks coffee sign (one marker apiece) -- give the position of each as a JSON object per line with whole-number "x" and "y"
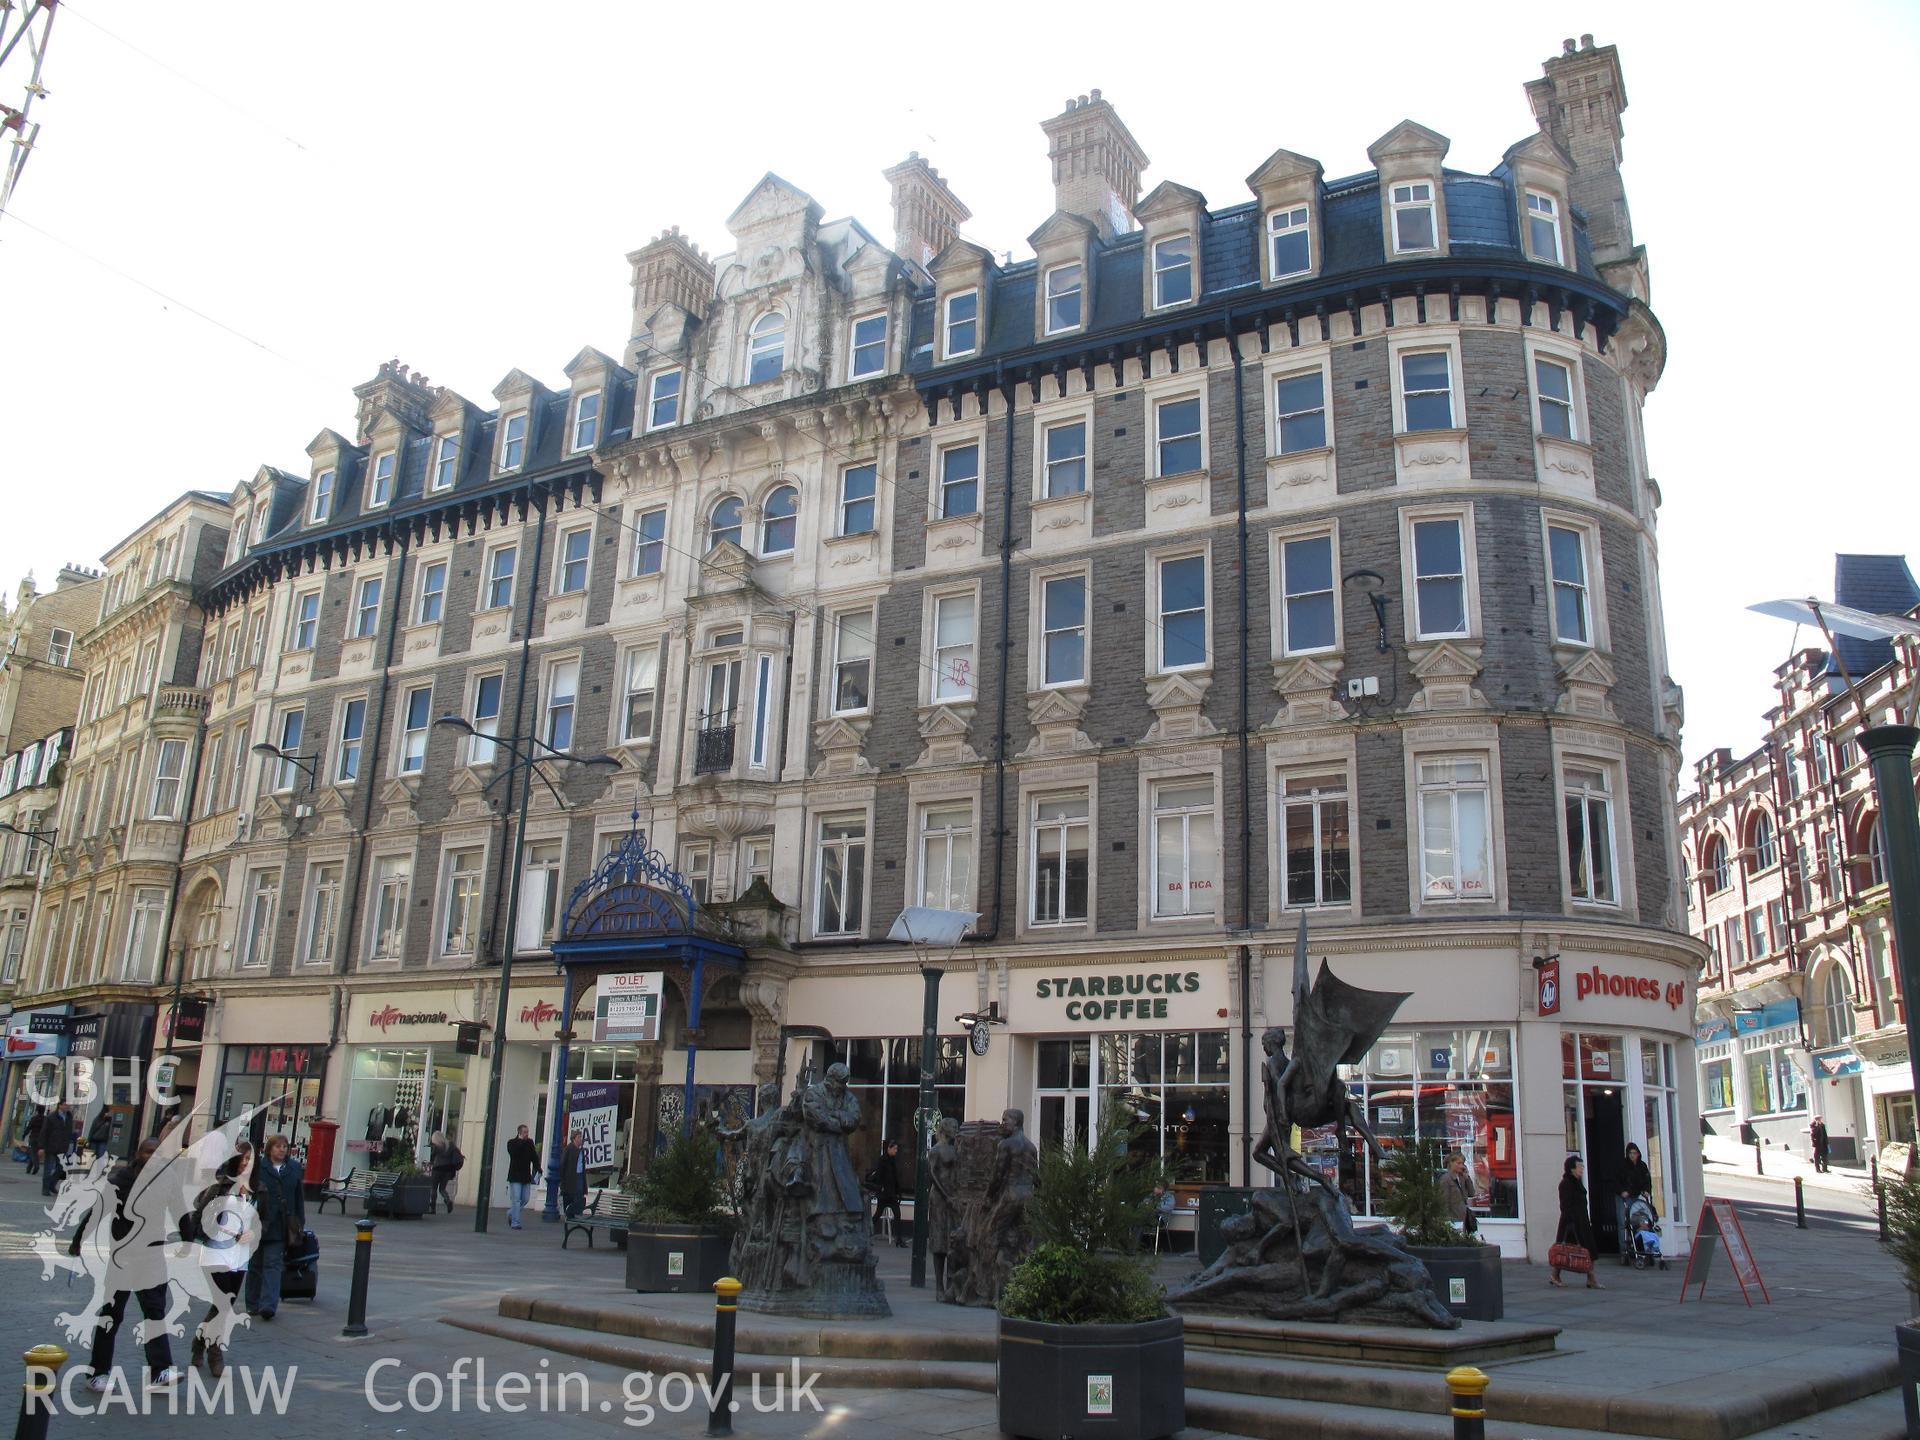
{"x": 1099, "y": 997}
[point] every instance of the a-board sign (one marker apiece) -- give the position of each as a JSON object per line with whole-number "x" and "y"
{"x": 1719, "y": 1229}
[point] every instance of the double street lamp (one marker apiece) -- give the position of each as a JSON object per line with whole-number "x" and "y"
{"x": 526, "y": 752}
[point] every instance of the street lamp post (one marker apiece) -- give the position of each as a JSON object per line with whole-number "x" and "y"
{"x": 1890, "y": 752}
{"x": 308, "y": 765}
{"x": 516, "y": 746}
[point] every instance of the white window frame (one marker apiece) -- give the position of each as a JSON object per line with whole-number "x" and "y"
{"x": 555, "y": 701}
{"x": 927, "y": 836}
{"x": 292, "y": 731}
{"x": 1456, "y": 419}
{"x": 390, "y": 897}
{"x": 467, "y": 904}
{"x": 871, "y": 500}
{"x": 579, "y": 422}
{"x": 366, "y": 617}
{"x": 316, "y": 941}
{"x": 1586, "y": 797}
{"x": 840, "y": 619}
{"x": 173, "y": 778}
{"x": 768, "y": 520}
{"x": 1558, "y": 352}
{"x": 563, "y": 563}
{"x": 739, "y": 528}
{"x": 1161, "y": 272}
{"x": 481, "y": 749}
{"x": 1157, "y": 615}
{"x": 306, "y": 628}
{"x": 1541, "y": 400}
{"x": 948, "y": 323}
{"x": 446, "y": 463}
{"x": 427, "y": 593}
{"x": 954, "y": 670}
{"x": 1549, "y": 212}
{"x": 1078, "y": 291}
{"x": 763, "y": 701}
{"x": 758, "y": 348}
{"x": 346, "y": 746}
{"x": 320, "y": 508}
{"x": 1058, "y": 829}
{"x": 633, "y": 660}
{"x": 940, "y": 482}
{"x": 1159, "y": 400}
{"x": 1184, "y": 814}
{"x": 1316, "y": 801}
{"x": 846, "y": 845}
{"x": 262, "y": 886}
{"x": 1580, "y": 588}
{"x": 856, "y": 346}
{"x": 1463, "y": 516}
{"x": 655, "y": 399}
{"x": 1454, "y": 790}
{"x": 410, "y": 755}
{"x": 649, "y": 551}
{"x": 383, "y": 475}
{"x": 696, "y": 868}
{"x": 540, "y": 893}
{"x": 490, "y": 579}
{"x": 1043, "y": 633}
{"x": 1413, "y": 201}
{"x": 1598, "y": 637}
{"x": 1282, "y": 221}
{"x": 1283, "y": 594}
{"x": 1084, "y": 460}
{"x": 516, "y": 430}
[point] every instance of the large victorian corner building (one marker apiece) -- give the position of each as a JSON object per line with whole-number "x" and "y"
{"x": 1218, "y": 564}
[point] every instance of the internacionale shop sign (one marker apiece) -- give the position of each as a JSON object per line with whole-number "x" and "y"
{"x": 1100, "y": 997}
{"x": 626, "y": 1008}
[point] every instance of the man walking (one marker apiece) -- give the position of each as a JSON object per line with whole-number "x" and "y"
{"x": 523, "y": 1163}
{"x": 141, "y": 1264}
{"x": 573, "y": 1175}
{"x": 1819, "y": 1129}
{"x": 30, "y": 1138}
{"x": 283, "y": 1218}
{"x": 56, "y": 1139}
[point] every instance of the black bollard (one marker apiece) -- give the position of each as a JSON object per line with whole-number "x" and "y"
{"x": 1469, "y": 1391}
{"x": 362, "y": 1267}
{"x": 1759, "y": 1165}
{"x": 1799, "y": 1204}
{"x": 1880, "y": 1204}
{"x": 726, "y": 1295}
{"x": 36, "y": 1397}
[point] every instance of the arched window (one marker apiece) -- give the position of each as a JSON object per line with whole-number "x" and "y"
{"x": 1760, "y": 839}
{"x": 777, "y": 521}
{"x": 1876, "y": 857}
{"x": 724, "y": 523}
{"x": 767, "y": 348}
{"x": 1714, "y": 864}
{"x": 1833, "y": 1013}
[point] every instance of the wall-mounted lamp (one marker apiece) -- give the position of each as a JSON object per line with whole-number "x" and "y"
{"x": 1373, "y": 585}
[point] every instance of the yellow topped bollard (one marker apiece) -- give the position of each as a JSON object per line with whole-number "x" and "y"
{"x": 1469, "y": 1387}
{"x": 726, "y": 1306}
{"x": 43, "y": 1365}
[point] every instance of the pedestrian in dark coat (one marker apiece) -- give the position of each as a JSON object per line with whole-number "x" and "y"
{"x": 217, "y": 1222}
{"x": 573, "y": 1176}
{"x": 443, "y": 1163}
{"x": 1635, "y": 1179}
{"x": 1576, "y": 1223}
{"x": 56, "y": 1139}
{"x": 523, "y": 1163}
{"x": 100, "y": 1131}
{"x": 1819, "y": 1132}
{"x": 279, "y": 1194}
{"x": 30, "y": 1137}
{"x": 884, "y": 1180}
{"x": 153, "y": 1299}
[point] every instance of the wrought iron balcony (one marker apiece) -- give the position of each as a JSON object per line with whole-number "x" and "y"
{"x": 713, "y": 748}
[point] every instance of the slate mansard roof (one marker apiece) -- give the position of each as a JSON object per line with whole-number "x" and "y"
{"x": 1881, "y": 584}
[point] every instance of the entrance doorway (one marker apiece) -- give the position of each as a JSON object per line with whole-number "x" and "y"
{"x": 1606, "y": 1152}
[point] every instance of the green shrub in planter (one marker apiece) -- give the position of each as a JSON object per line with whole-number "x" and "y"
{"x": 1465, "y": 1271}
{"x": 1086, "y": 1344}
{"x": 682, "y": 1225}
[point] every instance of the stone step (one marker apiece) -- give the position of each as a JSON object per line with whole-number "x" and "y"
{"x": 1878, "y": 1417}
{"x": 1262, "y": 1417}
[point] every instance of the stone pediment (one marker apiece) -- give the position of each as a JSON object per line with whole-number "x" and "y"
{"x": 1539, "y": 149}
{"x": 1057, "y": 717}
{"x": 332, "y": 813}
{"x": 1586, "y": 680}
{"x": 1446, "y": 672}
{"x": 329, "y": 445}
{"x": 1064, "y": 230}
{"x": 773, "y": 199}
{"x": 1169, "y": 198}
{"x": 1176, "y": 701}
{"x": 1307, "y": 688}
{"x": 1281, "y": 168}
{"x": 517, "y": 383}
{"x": 945, "y": 728}
{"x": 590, "y": 362}
{"x": 399, "y": 801}
{"x": 960, "y": 257}
{"x": 1409, "y": 140}
{"x": 468, "y": 790}
{"x": 840, "y": 740}
{"x": 724, "y": 568}
{"x": 450, "y": 408}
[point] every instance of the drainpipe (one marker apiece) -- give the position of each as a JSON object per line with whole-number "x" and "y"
{"x": 992, "y": 932}
{"x": 1246, "y": 771}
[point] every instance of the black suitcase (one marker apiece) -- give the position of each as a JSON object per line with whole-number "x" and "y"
{"x": 300, "y": 1279}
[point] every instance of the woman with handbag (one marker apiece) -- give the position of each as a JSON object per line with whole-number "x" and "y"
{"x": 1573, "y": 1244}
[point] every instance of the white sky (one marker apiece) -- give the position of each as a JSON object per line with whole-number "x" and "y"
{"x": 458, "y": 183}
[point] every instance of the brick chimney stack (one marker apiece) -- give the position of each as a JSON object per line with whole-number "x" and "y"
{"x": 1579, "y": 103}
{"x": 926, "y": 212}
{"x": 1096, "y": 164}
{"x": 669, "y": 270}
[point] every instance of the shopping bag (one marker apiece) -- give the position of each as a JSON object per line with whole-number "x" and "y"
{"x": 1570, "y": 1257}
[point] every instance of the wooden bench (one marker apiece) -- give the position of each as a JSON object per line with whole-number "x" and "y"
{"x": 607, "y": 1210}
{"x": 354, "y": 1185}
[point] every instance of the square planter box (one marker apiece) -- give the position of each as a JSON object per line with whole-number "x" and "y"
{"x": 1906, "y": 1340}
{"x": 676, "y": 1258}
{"x": 1467, "y": 1278}
{"x": 400, "y": 1197}
{"x": 1070, "y": 1382}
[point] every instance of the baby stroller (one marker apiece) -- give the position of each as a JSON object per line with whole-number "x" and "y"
{"x": 1643, "y": 1234}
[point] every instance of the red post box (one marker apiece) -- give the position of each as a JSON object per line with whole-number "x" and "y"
{"x": 321, "y": 1135}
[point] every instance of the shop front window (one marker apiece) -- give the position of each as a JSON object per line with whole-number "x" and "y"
{"x": 1173, "y": 1085}
{"x": 1716, "y": 1085}
{"x": 396, "y": 1099}
{"x": 1454, "y": 1087}
{"x": 281, "y": 1083}
{"x": 885, "y": 1074}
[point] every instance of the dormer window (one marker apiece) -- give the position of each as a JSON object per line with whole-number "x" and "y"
{"x": 1173, "y": 271}
{"x": 724, "y": 522}
{"x": 1064, "y": 284}
{"x": 1543, "y": 227}
{"x": 962, "y": 327}
{"x": 260, "y": 522}
{"x": 868, "y": 354}
{"x": 663, "y": 400}
{"x": 767, "y": 348}
{"x": 1289, "y": 242}
{"x": 379, "y": 481}
{"x": 1413, "y": 227}
{"x": 586, "y": 421}
{"x": 446, "y": 462}
{"x": 322, "y": 506}
{"x": 513, "y": 441}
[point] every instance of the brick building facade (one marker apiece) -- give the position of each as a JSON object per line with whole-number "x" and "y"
{"x": 1218, "y": 564}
